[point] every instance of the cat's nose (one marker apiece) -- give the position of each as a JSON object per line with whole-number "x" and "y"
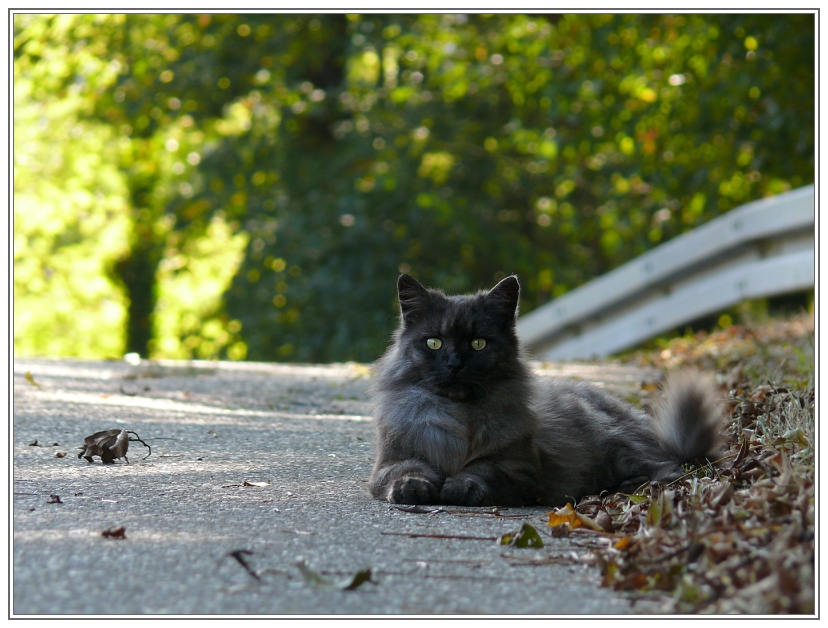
{"x": 453, "y": 362}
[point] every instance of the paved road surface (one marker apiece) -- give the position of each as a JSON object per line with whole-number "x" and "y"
{"x": 264, "y": 463}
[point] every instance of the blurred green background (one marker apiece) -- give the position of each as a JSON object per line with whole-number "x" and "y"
{"x": 249, "y": 186}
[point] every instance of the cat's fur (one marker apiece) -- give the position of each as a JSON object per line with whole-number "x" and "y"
{"x": 462, "y": 426}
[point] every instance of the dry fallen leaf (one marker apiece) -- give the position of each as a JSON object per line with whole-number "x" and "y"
{"x": 109, "y": 445}
{"x": 739, "y": 539}
{"x": 569, "y": 516}
{"x": 31, "y": 379}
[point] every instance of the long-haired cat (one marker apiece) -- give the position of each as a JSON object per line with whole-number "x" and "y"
{"x": 462, "y": 420}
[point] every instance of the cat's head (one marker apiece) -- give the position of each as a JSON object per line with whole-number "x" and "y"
{"x": 457, "y": 346}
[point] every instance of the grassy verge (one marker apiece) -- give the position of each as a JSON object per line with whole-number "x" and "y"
{"x": 737, "y": 536}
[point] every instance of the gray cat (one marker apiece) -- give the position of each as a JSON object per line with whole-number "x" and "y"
{"x": 462, "y": 420}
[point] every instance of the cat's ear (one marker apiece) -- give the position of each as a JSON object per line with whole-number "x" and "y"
{"x": 505, "y": 296}
{"x": 414, "y": 298}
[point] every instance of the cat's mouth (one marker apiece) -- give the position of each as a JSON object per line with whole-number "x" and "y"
{"x": 454, "y": 386}
{"x": 454, "y": 390}
{"x": 456, "y": 393}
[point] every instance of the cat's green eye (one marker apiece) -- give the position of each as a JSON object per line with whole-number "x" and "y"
{"x": 434, "y": 343}
{"x": 478, "y": 344}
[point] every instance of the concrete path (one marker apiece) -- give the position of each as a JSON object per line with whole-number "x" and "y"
{"x": 254, "y": 468}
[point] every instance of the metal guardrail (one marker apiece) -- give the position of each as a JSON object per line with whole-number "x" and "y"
{"x": 760, "y": 249}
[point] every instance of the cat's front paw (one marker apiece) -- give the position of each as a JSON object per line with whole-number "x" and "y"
{"x": 465, "y": 491}
{"x": 413, "y": 489}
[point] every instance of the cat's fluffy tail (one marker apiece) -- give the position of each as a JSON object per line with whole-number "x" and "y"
{"x": 689, "y": 417}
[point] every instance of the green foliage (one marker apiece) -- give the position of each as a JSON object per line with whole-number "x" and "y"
{"x": 343, "y": 149}
{"x": 191, "y": 281}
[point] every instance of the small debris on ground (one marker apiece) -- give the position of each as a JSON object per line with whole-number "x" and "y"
{"x": 118, "y": 532}
{"x": 348, "y": 583}
{"x": 31, "y": 379}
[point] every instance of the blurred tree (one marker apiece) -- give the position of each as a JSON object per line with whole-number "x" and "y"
{"x": 70, "y": 219}
{"x": 467, "y": 147}
{"x": 325, "y": 153}
{"x": 157, "y": 83}
{"x": 179, "y": 74}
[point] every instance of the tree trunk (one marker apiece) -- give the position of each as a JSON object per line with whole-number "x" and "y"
{"x": 137, "y": 274}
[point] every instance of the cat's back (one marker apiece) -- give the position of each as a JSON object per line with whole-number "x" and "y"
{"x": 578, "y": 415}
{"x": 561, "y": 399}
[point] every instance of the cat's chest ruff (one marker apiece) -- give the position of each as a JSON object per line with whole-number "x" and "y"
{"x": 479, "y": 425}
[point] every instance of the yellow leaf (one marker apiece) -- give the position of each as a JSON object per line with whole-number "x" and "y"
{"x": 568, "y": 515}
{"x": 650, "y": 386}
{"x": 31, "y": 379}
{"x": 561, "y": 516}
